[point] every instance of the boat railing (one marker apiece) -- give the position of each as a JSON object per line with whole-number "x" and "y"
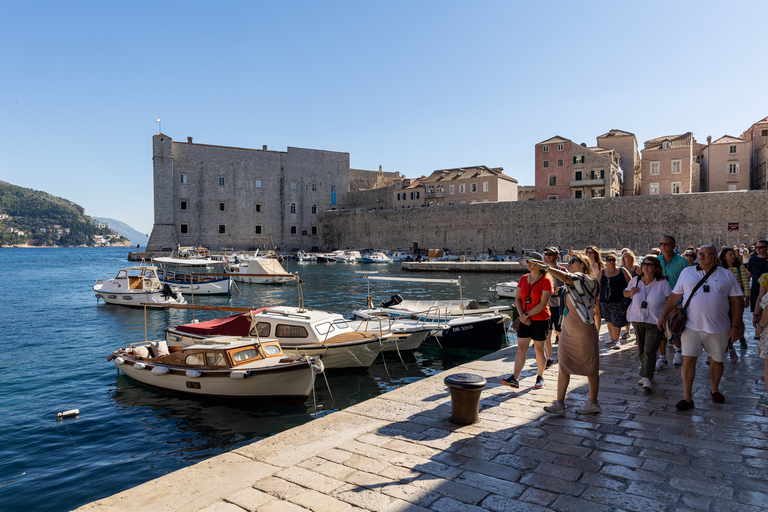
{"x": 380, "y": 321}
{"x": 433, "y": 315}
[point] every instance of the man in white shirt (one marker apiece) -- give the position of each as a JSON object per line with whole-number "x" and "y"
{"x": 709, "y": 324}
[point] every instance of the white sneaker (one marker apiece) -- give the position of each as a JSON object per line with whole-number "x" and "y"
{"x": 617, "y": 344}
{"x": 678, "y": 359}
{"x": 661, "y": 364}
{"x": 647, "y": 384}
{"x": 609, "y": 341}
{"x": 556, "y": 408}
{"x": 589, "y": 408}
{"x": 641, "y": 381}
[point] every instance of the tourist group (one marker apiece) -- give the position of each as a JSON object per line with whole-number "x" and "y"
{"x": 694, "y": 302}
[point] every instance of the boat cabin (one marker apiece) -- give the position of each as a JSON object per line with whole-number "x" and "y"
{"x": 301, "y": 325}
{"x": 224, "y": 352}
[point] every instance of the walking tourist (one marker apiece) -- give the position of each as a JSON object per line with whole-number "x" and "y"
{"x": 757, "y": 266}
{"x": 532, "y": 303}
{"x": 763, "y": 281}
{"x": 649, "y": 296}
{"x": 597, "y": 265}
{"x": 577, "y": 352}
{"x": 550, "y": 256}
{"x": 690, "y": 256}
{"x": 730, "y": 259}
{"x": 628, "y": 262}
{"x": 708, "y": 291}
{"x": 613, "y": 280}
{"x": 672, "y": 264}
{"x": 761, "y": 329}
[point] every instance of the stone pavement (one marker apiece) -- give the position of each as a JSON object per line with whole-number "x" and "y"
{"x": 398, "y": 452}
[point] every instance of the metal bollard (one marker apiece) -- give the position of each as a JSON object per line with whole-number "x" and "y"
{"x": 465, "y": 391}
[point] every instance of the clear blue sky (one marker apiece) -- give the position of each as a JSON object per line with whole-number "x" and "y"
{"x": 413, "y": 86}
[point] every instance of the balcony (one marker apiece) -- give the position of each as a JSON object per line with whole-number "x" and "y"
{"x": 431, "y": 195}
{"x": 598, "y": 182}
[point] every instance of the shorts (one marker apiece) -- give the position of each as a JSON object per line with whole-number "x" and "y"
{"x": 537, "y": 330}
{"x": 692, "y": 342}
{"x": 554, "y": 320}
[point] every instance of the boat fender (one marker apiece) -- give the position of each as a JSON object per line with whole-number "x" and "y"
{"x": 194, "y": 374}
{"x": 238, "y": 374}
{"x": 68, "y": 414}
{"x": 119, "y": 360}
{"x": 160, "y": 370}
{"x": 140, "y": 366}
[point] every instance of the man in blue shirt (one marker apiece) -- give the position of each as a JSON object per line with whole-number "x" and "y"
{"x": 671, "y": 264}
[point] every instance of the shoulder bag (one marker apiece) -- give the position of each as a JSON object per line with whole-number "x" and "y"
{"x": 677, "y": 323}
{"x": 627, "y": 301}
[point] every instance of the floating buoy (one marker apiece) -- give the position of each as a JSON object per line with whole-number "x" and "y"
{"x": 68, "y": 414}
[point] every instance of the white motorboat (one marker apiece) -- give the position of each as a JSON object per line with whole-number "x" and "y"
{"x": 348, "y": 257}
{"x": 134, "y": 286}
{"x": 300, "y": 331}
{"x": 229, "y": 367}
{"x": 401, "y": 256}
{"x": 506, "y": 290}
{"x": 305, "y": 256}
{"x": 376, "y": 257}
{"x": 194, "y": 271}
{"x": 260, "y": 270}
{"x": 404, "y": 334}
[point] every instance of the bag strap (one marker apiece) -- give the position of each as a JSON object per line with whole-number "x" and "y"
{"x": 711, "y": 271}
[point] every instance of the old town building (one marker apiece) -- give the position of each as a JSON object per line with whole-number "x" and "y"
{"x": 467, "y": 185}
{"x": 670, "y": 165}
{"x": 725, "y": 164}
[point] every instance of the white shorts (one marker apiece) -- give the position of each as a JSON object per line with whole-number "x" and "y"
{"x": 692, "y": 342}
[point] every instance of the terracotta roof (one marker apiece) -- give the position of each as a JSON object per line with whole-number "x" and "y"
{"x": 676, "y": 141}
{"x": 464, "y": 173}
{"x": 554, "y": 139}
{"x": 616, "y": 133}
{"x": 727, "y": 139}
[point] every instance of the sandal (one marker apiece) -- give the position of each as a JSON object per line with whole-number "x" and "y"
{"x": 625, "y": 336}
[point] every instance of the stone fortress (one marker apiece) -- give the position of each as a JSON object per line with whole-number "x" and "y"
{"x": 227, "y": 197}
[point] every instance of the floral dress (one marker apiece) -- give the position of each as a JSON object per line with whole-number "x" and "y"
{"x": 762, "y": 345}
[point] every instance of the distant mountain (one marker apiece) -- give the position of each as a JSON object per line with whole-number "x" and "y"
{"x": 136, "y": 237}
{"x": 32, "y": 217}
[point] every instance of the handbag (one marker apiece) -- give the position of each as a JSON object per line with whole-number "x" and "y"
{"x": 676, "y": 324}
{"x": 516, "y": 324}
{"x": 626, "y": 301}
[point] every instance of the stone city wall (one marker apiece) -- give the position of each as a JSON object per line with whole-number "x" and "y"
{"x": 637, "y": 222}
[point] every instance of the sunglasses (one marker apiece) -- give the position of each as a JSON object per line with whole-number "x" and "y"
{"x": 549, "y": 254}
{"x": 666, "y": 243}
{"x": 573, "y": 261}
{"x": 610, "y": 259}
{"x": 647, "y": 264}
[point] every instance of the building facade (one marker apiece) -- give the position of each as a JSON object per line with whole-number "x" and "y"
{"x": 219, "y": 196}
{"x": 725, "y": 164}
{"x": 468, "y": 185}
{"x": 565, "y": 170}
{"x": 625, "y": 143}
{"x": 757, "y": 135}
{"x": 670, "y": 165}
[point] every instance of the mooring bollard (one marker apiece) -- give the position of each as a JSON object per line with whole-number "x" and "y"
{"x": 465, "y": 391}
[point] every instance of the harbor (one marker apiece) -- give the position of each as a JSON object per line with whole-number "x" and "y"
{"x": 400, "y": 451}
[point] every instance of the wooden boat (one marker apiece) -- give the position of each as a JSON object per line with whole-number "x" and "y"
{"x": 300, "y": 331}
{"x": 194, "y": 271}
{"x": 137, "y": 285}
{"x": 228, "y": 367}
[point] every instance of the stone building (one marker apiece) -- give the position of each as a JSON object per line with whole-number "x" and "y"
{"x": 527, "y": 193}
{"x": 567, "y": 170}
{"x": 393, "y": 193}
{"x": 468, "y": 185}
{"x": 757, "y": 135}
{"x": 725, "y": 164}
{"x": 219, "y": 196}
{"x": 670, "y": 165}
{"x": 625, "y": 144}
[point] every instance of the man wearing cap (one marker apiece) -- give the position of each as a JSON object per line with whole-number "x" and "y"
{"x": 550, "y": 256}
{"x": 708, "y": 324}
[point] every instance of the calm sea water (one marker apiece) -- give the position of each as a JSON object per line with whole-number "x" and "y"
{"x": 55, "y": 340}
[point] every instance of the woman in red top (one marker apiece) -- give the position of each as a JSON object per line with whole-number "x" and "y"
{"x": 532, "y": 303}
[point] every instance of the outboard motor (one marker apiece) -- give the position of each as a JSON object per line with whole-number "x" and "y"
{"x": 167, "y": 292}
{"x": 393, "y": 301}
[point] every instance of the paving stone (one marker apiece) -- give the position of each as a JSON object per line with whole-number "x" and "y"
{"x": 426, "y": 466}
{"x": 221, "y": 506}
{"x": 249, "y": 499}
{"x": 616, "y": 458}
{"x": 622, "y": 500}
{"x": 281, "y": 506}
{"x": 753, "y": 498}
{"x": 398, "y": 445}
{"x": 411, "y": 493}
{"x": 491, "y": 469}
{"x": 571, "y": 504}
{"x": 754, "y": 484}
{"x": 334, "y": 470}
{"x": 630, "y": 474}
{"x": 398, "y": 505}
{"x": 451, "y": 489}
{"x": 309, "y": 479}
{"x": 452, "y": 459}
{"x": 653, "y": 490}
{"x": 278, "y": 487}
{"x": 582, "y": 464}
{"x": 733, "y": 506}
{"x": 498, "y": 503}
{"x": 595, "y": 444}
{"x": 697, "y": 502}
{"x": 400, "y": 474}
{"x": 538, "y": 497}
{"x": 369, "y": 480}
{"x": 656, "y": 466}
{"x": 537, "y": 455}
{"x": 319, "y": 502}
{"x": 366, "y": 464}
{"x": 336, "y": 455}
{"x": 568, "y": 449}
{"x": 702, "y": 487}
{"x": 564, "y": 472}
{"x": 552, "y": 484}
{"x": 362, "y": 497}
{"x": 592, "y": 479}
{"x": 490, "y": 484}
{"x": 683, "y": 460}
{"x": 450, "y": 505}
{"x": 368, "y": 450}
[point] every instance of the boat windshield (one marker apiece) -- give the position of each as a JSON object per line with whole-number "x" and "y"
{"x": 328, "y": 327}
{"x": 244, "y": 355}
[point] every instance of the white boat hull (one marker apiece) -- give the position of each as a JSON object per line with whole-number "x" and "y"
{"x": 216, "y": 287}
{"x": 287, "y": 383}
{"x": 134, "y": 298}
{"x": 506, "y": 290}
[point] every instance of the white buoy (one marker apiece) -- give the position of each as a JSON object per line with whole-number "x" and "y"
{"x": 68, "y": 414}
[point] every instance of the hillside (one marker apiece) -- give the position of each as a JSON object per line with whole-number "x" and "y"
{"x": 133, "y": 236}
{"x": 37, "y": 218}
